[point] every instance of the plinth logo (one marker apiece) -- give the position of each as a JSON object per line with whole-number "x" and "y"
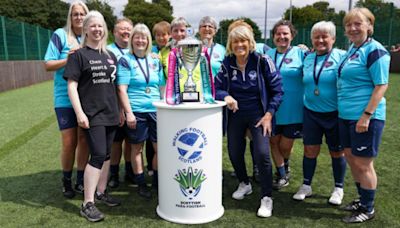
{"x": 190, "y": 143}
{"x": 190, "y": 181}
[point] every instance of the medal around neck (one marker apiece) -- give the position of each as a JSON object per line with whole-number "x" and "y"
{"x": 190, "y": 52}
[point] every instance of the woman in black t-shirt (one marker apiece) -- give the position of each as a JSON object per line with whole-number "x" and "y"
{"x": 91, "y": 73}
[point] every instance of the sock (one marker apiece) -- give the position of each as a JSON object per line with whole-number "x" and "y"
{"x": 339, "y": 170}
{"x": 286, "y": 161}
{"x": 139, "y": 179}
{"x": 155, "y": 178}
{"x": 67, "y": 175}
{"x": 309, "y": 165}
{"x": 281, "y": 171}
{"x": 114, "y": 170}
{"x": 358, "y": 185}
{"x": 367, "y": 198}
{"x": 128, "y": 168}
{"x": 79, "y": 176}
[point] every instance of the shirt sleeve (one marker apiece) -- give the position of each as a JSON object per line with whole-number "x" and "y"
{"x": 221, "y": 83}
{"x": 73, "y": 69}
{"x": 378, "y": 64}
{"x": 54, "y": 48}
{"x": 273, "y": 84}
{"x": 123, "y": 72}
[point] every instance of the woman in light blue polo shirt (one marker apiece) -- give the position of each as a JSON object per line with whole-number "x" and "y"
{"x": 289, "y": 117}
{"x": 63, "y": 43}
{"x": 363, "y": 78}
{"x": 320, "y": 110}
{"x": 139, "y": 79}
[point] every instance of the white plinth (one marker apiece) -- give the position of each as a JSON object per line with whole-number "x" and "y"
{"x": 189, "y": 138}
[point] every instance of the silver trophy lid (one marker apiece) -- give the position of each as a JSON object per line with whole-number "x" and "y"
{"x": 189, "y": 41}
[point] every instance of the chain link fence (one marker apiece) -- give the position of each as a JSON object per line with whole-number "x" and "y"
{"x": 22, "y": 41}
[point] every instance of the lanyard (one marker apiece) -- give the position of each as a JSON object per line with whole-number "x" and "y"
{"x": 211, "y": 51}
{"x": 283, "y": 58}
{"x": 120, "y": 49}
{"x": 347, "y": 57}
{"x": 316, "y": 76}
{"x": 146, "y": 76}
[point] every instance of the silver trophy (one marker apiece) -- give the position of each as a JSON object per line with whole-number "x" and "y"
{"x": 190, "y": 52}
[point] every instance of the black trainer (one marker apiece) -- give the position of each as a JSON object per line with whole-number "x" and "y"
{"x": 79, "y": 188}
{"x": 144, "y": 191}
{"x": 352, "y": 206}
{"x": 114, "y": 181}
{"x": 67, "y": 190}
{"x": 91, "y": 213}
{"x": 359, "y": 216}
{"x": 107, "y": 199}
{"x": 280, "y": 182}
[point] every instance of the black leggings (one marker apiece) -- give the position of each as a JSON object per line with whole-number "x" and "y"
{"x": 100, "y": 139}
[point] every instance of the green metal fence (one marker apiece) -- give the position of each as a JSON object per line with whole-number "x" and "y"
{"x": 22, "y": 41}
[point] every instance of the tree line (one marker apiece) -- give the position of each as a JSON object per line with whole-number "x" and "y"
{"x": 51, "y": 14}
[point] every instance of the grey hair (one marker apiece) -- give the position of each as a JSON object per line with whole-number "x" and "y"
{"x": 208, "y": 20}
{"x": 324, "y": 26}
{"x": 179, "y": 21}
{"x": 143, "y": 30}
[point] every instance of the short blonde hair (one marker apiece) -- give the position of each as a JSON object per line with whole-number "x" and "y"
{"x": 103, "y": 42}
{"x": 141, "y": 29}
{"x": 363, "y": 13}
{"x": 240, "y": 32}
{"x": 163, "y": 27}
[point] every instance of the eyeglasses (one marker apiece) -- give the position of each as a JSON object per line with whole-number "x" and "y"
{"x": 78, "y": 14}
{"x": 206, "y": 26}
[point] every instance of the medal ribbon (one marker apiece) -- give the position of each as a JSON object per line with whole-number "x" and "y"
{"x": 146, "y": 76}
{"x": 177, "y": 89}
{"x": 205, "y": 79}
{"x": 170, "y": 94}
{"x": 211, "y": 76}
{"x": 316, "y": 76}
{"x": 283, "y": 58}
{"x": 348, "y": 56}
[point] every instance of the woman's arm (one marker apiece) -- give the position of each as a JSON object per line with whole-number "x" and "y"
{"x": 76, "y": 104}
{"x": 126, "y": 106}
{"x": 378, "y": 93}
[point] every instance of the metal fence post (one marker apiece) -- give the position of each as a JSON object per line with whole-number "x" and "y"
{"x": 38, "y": 42}
{"x": 24, "y": 41}
{"x": 3, "y": 25}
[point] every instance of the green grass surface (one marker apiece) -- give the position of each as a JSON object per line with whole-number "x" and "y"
{"x": 30, "y": 187}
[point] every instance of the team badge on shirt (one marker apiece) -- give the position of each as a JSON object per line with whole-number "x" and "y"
{"x": 234, "y": 74}
{"x": 328, "y": 64}
{"x": 287, "y": 60}
{"x": 215, "y": 55}
{"x": 353, "y": 56}
{"x": 253, "y": 75}
{"x": 110, "y": 61}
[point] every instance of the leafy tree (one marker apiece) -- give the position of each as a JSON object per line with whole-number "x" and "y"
{"x": 105, "y": 9}
{"x": 148, "y": 13}
{"x": 49, "y": 14}
{"x": 222, "y": 35}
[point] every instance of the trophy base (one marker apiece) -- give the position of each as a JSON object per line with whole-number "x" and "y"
{"x": 190, "y": 97}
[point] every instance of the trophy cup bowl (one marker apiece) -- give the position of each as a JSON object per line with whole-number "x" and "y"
{"x": 190, "y": 52}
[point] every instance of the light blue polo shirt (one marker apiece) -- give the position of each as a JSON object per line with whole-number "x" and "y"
{"x": 326, "y": 100}
{"x": 361, "y": 72}
{"x": 129, "y": 73}
{"x": 217, "y": 55}
{"x": 58, "y": 49}
{"x": 291, "y": 109}
{"x": 118, "y": 52}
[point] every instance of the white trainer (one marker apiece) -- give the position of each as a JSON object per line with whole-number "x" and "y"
{"x": 304, "y": 191}
{"x": 242, "y": 190}
{"x": 266, "y": 207}
{"x": 336, "y": 196}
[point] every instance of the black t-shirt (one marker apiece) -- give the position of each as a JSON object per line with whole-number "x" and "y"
{"x": 95, "y": 74}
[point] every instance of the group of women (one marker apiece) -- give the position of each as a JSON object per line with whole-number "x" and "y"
{"x": 287, "y": 94}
